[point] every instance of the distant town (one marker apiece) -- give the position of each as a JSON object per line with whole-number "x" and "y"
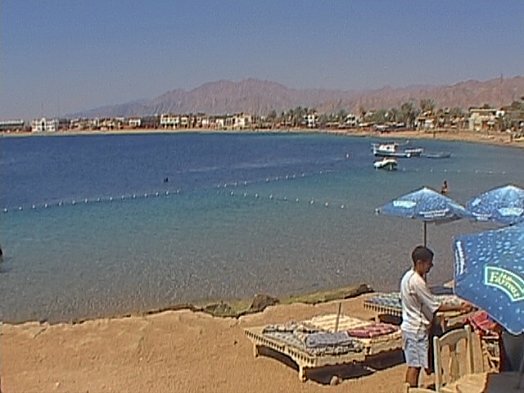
{"x": 408, "y": 116}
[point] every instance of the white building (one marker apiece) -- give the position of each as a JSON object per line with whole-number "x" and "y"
{"x": 311, "y": 120}
{"x": 44, "y": 125}
{"x": 169, "y": 121}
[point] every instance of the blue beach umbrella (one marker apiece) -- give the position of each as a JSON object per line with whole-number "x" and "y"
{"x": 426, "y": 205}
{"x": 489, "y": 272}
{"x": 504, "y": 205}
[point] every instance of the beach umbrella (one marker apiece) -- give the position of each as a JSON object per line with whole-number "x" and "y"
{"x": 504, "y": 205}
{"x": 426, "y": 205}
{"x": 489, "y": 272}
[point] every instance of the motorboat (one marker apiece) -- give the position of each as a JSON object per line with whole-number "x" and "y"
{"x": 392, "y": 149}
{"x": 387, "y": 163}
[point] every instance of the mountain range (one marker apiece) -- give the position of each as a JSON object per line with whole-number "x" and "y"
{"x": 260, "y": 97}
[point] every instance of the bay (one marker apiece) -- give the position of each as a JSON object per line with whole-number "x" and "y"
{"x": 239, "y": 214}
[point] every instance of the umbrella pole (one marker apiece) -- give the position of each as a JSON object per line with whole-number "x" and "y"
{"x": 425, "y": 233}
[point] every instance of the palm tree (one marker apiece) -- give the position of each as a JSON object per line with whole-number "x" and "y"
{"x": 427, "y": 105}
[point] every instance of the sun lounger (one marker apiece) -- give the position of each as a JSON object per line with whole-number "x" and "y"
{"x": 316, "y": 343}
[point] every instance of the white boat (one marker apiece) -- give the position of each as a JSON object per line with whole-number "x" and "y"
{"x": 386, "y": 163}
{"x": 391, "y": 149}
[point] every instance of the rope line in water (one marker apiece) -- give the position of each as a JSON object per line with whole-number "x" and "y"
{"x": 74, "y": 202}
{"x": 236, "y": 184}
{"x": 307, "y": 201}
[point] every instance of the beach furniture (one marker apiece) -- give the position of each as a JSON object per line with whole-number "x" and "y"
{"x": 326, "y": 340}
{"x": 459, "y": 349}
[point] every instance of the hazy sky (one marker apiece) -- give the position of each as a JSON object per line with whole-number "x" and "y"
{"x": 61, "y": 56}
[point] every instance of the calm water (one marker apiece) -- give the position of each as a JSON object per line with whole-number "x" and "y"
{"x": 240, "y": 214}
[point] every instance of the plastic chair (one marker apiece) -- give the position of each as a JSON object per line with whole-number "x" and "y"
{"x": 454, "y": 369}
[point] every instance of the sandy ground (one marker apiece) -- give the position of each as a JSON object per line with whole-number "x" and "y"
{"x": 177, "y": 351}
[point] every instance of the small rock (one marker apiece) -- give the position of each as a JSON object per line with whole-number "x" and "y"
{"x": 335, "y": 380}
{"x": 260, "y": 302}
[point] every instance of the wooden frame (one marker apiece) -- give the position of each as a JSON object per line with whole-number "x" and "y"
{"x": 303, "y": 359}
{"x": 447, "y": 375}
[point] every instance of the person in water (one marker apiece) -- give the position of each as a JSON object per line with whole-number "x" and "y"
{"x": 444, "y": 188}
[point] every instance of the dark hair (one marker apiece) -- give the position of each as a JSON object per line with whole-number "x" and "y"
{"x": 421, "y": 253}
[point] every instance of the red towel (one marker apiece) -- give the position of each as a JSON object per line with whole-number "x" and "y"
{"x": 483, "y": 323}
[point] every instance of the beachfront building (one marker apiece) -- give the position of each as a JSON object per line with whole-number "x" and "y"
{"x": 426, "y": 121}
{"x": 134, "y": 122}
{"x": 44, "y": 125}
{"x": 11, "y": 125}
{"x": 168, "y": 120}
{"x": 351, "y": 120}
{"x": 150, "y": 122}
{"x": 311, "y": 120}
{"x": 241, "y": 121}
{"x": 482, "y": 119}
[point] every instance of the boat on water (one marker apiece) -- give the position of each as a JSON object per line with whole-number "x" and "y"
{"x": 442, "y": 154}
{"x": 393, "y": 149}
{"x": 387, "y": 163}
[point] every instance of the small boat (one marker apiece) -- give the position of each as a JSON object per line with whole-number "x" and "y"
{"x": 442, "y": 154}
{"x": 389, "y": 164}
{"x": 391, "y": 149}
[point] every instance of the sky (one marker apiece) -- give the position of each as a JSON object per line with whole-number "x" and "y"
{"x": 62, "y": 56}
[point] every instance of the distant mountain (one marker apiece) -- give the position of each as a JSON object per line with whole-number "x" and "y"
{"x": 260, "y": 97}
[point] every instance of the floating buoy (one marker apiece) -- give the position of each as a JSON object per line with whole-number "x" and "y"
{"x": 60, "y": 203}
{"x": 267, "y": 179}
{"x": 123, "y": 197}
{"x": 285, "y": 198}
{"x": 232, "y": 193}
{"x": 270, "y": 196}
{"x": 73, "y": 202}
{"x": 110, "y": 199}
{"x": 287, "y": 177}
{"x": 33, "y": 207}
{"x": 178, "y": 191}
{"x": 5, "y": 210}
{"x": 85, "y": 200}
{"x": 245, "y": 183}
{"x": 341, "y": 206}
{"x": 145, "y": 195}
{"x": 20, "y": 208}
{"x": 256, "y": 195}
{"x": 311, "y": 202}
{"x": 296, "y": 200}
{"x": 156, "y": 194}
{"x": 326, "y": 204}
{"x": 45, "y": 205}
{"x": 167, "y": 192}
{"x": 245, "y": 194}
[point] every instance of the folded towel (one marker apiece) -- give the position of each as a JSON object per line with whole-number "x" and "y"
{"x": 315, "y": 340}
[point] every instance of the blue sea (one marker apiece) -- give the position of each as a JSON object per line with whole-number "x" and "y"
{"x": 107, "y": 225}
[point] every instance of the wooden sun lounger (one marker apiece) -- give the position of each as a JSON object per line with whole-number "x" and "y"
{"x": 303, "y": 359}
{"x": 328, "y": 323}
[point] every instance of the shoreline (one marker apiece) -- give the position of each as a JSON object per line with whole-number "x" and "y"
{"x": 495, "y": 139}
{"x": 223, "y": 308}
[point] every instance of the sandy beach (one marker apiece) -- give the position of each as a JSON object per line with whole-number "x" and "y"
{"x": 178, "y": 351}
